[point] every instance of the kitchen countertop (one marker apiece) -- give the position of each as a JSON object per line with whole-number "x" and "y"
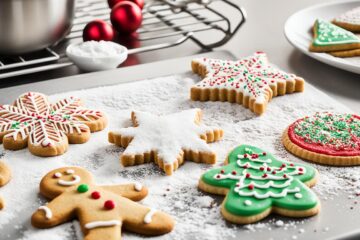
{"x": 262, "y": 31}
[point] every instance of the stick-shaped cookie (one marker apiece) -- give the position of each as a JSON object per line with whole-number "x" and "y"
{"x": 256, "y": 184}
{"x": 5, "y": 176}
{"x": 102, "y": 210}
{"x": 46, "y": 129}
{"x": 166, "y": 140}
{"x": 251, "y": 81}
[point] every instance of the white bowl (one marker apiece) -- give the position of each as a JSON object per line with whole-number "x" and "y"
{"x": 97, "y": 63}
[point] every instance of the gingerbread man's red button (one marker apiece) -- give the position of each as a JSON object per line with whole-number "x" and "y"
{"x": 109, "y": 204}
{"x": 95, "y": 195}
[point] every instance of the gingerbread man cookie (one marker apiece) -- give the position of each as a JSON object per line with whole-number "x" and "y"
{"x": 256, "y": 184}
{"x": 5, "y": 176}
{"x": 326, "y": 138}
{"x": 46, "y": 129}
{"x": 349, "y": 20}
{"x": 251, "y": 81}
{"x": 102, "y": 210}
{"x": 166, "y": 140}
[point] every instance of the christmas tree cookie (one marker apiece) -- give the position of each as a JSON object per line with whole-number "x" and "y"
{"x": 251, "y": 81}
{"x": 167, "y": 140}
{"x": 47, "y": 129}
{"x": 349, "y": 20}
{"x": 5, "y": 176}
{"x": 326, "y": 138}
{"x": 329, "y": 38}
{"x": 103, "y": 211}
{"x": 256, "y": 184}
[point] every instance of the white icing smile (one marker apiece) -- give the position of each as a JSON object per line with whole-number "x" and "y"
{"x": 76, "y": 179}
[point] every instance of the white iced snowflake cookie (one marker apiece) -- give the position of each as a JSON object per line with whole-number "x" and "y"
{"x": 46, "y": 129}
{"x": 167, "y": 140}
{"x": 349, "y": 20}
{"x": 251, "y": 81}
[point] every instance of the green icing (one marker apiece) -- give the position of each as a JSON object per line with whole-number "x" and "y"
{"x": 328, "y": 34}
{"x": 273, "y": 189}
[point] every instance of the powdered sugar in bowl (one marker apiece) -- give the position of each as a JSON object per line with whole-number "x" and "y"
{"x": 96, "y": 56}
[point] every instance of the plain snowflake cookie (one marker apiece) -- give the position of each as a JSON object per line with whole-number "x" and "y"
{"x": 45, "y": 128}
{"x": 251, "y": 81}
{"x": 167, "y": 140}
{"x": 103, "y": 211}
{"x": 256, "y": 184}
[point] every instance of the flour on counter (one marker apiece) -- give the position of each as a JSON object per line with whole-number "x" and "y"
{"x": 197, "y": 214}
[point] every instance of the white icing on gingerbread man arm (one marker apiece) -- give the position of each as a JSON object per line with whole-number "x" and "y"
{"x": 131, "y": 191}
{"x": 60, "y": 210}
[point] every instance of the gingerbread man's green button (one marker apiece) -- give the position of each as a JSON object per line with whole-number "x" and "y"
{"x": 83, "y": 188}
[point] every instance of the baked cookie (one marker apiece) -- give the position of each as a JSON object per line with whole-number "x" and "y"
{"x": 325, "y": 138}
{"x": 46, "y": 129}
{"x": 251, "y": 81}
{"x": 256, "y": 184}
{"x": 102, "y": 210}
{"x": 349, "y": 20}
{"x": 346, "y": 53}
{"x": 329, "y": 38}
{"x": 166, "y": 140}
{"x": 5, "y": 176}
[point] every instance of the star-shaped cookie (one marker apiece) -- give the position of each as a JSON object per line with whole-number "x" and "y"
{"x": 251, "y": 81}
{"x": 167, "y": 140}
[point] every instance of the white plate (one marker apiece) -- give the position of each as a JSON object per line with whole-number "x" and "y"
{"x": 298, "y": 31}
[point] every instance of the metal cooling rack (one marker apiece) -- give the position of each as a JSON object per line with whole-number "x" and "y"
{"x": 166, "y": 23}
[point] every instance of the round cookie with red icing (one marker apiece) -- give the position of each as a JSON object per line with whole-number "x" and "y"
{"x": 103, "y": 211}
{"x": 325, "y": 138}
{"x": 256, "y": 184}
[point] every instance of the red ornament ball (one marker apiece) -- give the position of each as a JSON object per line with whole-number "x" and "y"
{"x": 98, "y": 30}
{"x": 126, "y": 17}
{"x": 112, "y": 3}
{"x": 109, "y": 204}
{"x": 95, "y": 195}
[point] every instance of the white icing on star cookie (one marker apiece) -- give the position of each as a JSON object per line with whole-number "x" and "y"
{"x": 167, "y": 136}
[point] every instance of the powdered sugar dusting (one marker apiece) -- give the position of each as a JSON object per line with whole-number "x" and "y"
{"x": 197, "y": 214}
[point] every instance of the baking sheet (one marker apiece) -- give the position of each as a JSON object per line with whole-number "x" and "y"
{"x": 197, "y": 214}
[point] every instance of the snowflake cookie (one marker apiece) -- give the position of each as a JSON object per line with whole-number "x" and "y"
{"x": 166, "y": 140}
{"x": 326, "y": 138}
{"x": 251, "y": 81}
{"x": 256, "y": 184}
{"x": 349, "y": 20}
{"x": 102, "y": 210}
{"x": 46, "y": 129}
{"x": 329, "y": 38}
{"x": 5, "y": 176}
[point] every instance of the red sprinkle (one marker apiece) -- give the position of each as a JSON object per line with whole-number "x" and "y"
{"x": 285, "y": 176}
{"x": 269, "y": 169}
{"x": 273, "y": 172}
{"x": 109, "y": 204}
{"x": 265, "y": 175}
{"x": 300, "y": 169}
{"x": 247, "y": 175}
{"x": 283, "y": 165}
{"x": 95, "y": 195}
{"x": 217, "y": 176}
{"x": 264, "y": 153}
{"x": 291, "y": 164}
{"x": 251, "y": 187}
{"x": 245, "y": 155}
{"x": 222, "y": 171}
{"x": 233, "y": 172}
{"x": 262, "y": 168}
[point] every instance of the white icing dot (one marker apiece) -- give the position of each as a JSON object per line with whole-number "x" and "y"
{"x": 248, "y": 202}
{"x": 298, "y": 195}
{"x": 70, "y": 171}
{"x": 138, "y": 186}
{"x": 58, "y": 174}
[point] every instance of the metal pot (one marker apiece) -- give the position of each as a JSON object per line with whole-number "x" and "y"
{"x": 29, "y": 25}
